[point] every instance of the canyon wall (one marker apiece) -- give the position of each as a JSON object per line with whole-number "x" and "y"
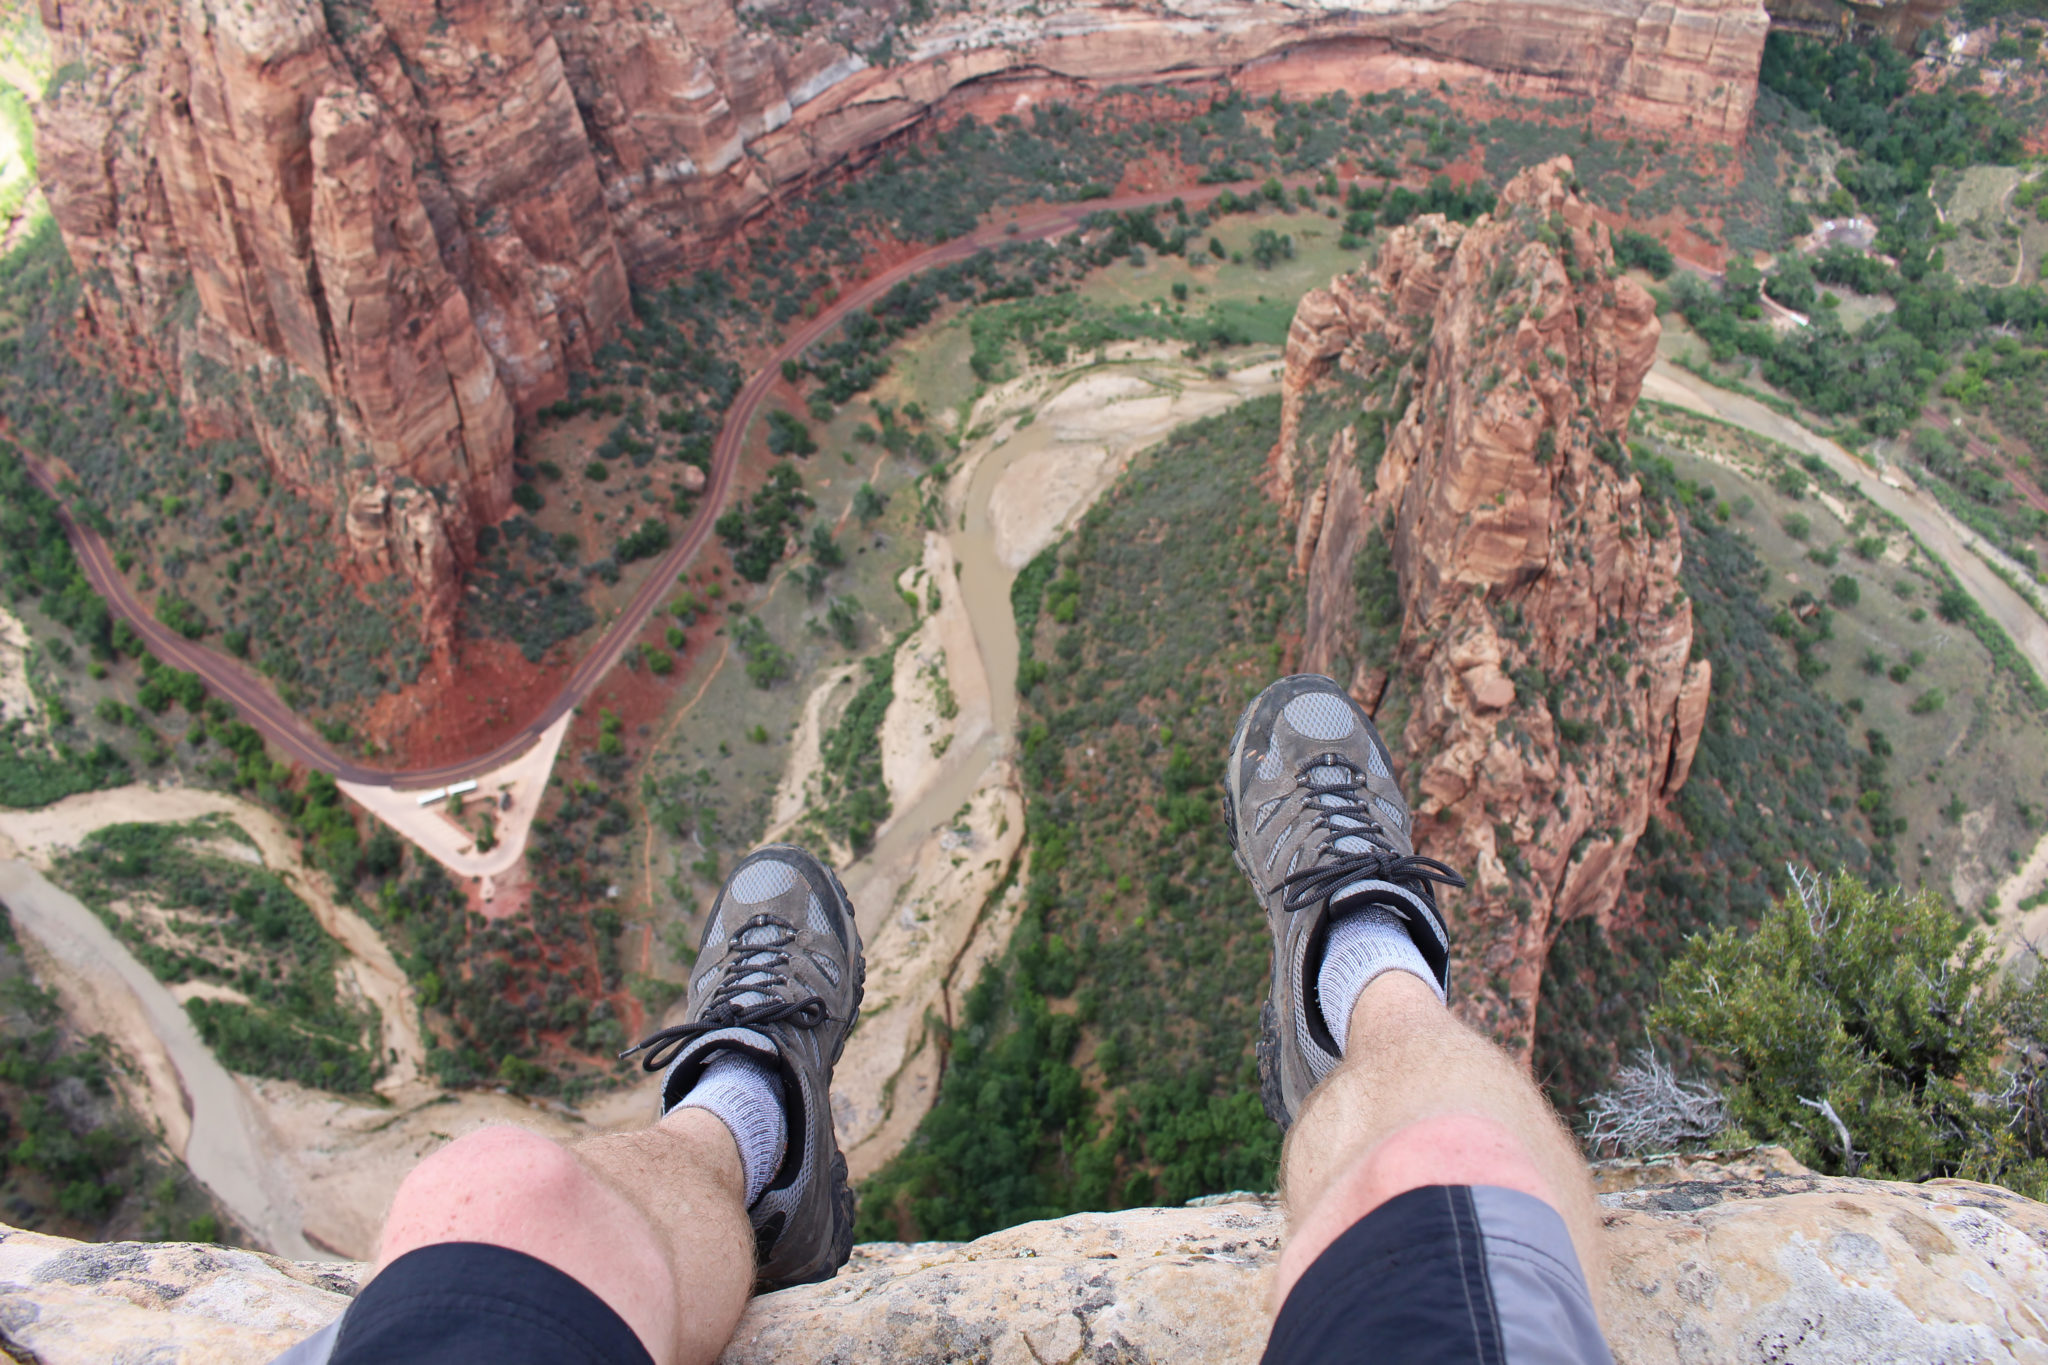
{"x": 1453, "y": 444}
{"x": 375, "y": 235}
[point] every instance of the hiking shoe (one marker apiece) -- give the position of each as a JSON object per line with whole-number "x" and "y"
{"x": 1317, "y": 822}
{"x": 779, "y": 978}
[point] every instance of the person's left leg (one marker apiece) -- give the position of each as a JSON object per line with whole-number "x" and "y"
{"x": 507, "y": 1248}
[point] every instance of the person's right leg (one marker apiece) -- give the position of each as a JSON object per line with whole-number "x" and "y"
{"x": 1435, "y": 1200}
{"x": 654, "y": 1223}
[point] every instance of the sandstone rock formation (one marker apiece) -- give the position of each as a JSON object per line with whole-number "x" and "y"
{"x": 374, "y": 234}
{"x": 1459, "y": 409}
{"x": 1748, "y": 1258}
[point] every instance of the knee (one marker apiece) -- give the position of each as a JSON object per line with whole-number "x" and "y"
{"x": 486, "y": 1186}
{"x": 1444, "y": 1149}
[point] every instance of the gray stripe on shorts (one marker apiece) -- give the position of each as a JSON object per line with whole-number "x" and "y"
{"x": 1539, "y": 1292}
{"x": 317, "y": 1349}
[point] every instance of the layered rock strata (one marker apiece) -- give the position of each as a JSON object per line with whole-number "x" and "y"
{"x": 1749, "y": 1258}
{"x": 1453, "y": 444}
{"x": 375, "y": 234}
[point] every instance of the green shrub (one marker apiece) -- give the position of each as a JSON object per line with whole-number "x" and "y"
{"x": 528, "y": 497}
{"x": 180, "y": 615}
{"x": 787, "y": 434}
{"x": 768, "y": 663}
{"x": 1878, "y": 1005}
{"x": 646, "y": 540}
{"x": 1844, "y": 591}
{"x": 868, "y": 502}
{"x": 1641, "y": 251}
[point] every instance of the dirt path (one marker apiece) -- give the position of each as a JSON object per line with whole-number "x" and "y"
{"x": 1956, "y": 545}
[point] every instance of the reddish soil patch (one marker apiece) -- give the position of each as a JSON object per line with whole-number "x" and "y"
{"x": 465, "y": 705}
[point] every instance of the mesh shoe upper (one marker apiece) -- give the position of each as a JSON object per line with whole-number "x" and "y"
{"x": 779, "y": 976}
{"x": 1318, "y": 823}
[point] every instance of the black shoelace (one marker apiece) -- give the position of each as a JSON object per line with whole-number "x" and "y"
{"x": 1335, "y": 868}
{"x": 750, "y": 969}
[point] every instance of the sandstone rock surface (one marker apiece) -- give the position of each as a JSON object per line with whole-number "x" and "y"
{"x": 1742, "y": 1259}
{"x": 1459, "y": 408}
{"x": 374, "y": 234}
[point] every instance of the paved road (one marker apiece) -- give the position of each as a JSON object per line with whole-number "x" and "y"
{"x": 222, "y": 1150}
{"x": 1955, "y": 544}
{"x": 284, "y": 729}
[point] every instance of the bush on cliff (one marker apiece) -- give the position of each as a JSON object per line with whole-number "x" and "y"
{"x": 1871, "y": 1033}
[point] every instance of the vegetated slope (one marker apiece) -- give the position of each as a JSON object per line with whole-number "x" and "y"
{"x": 1106, "y": 1059}
{"x": 78, "y": 1161}
{"x": 1773, "y": 781}
{"x": 190, "y": 913}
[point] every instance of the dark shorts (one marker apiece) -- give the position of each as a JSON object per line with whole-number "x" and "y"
{"x": 1448, "y": 1274}
{"x": 468, "y": 1303}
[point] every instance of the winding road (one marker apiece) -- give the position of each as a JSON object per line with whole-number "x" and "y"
{"x": 288, "y": 732}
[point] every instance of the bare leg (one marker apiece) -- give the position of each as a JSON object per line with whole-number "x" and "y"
{"x": 1421, "y": 1099}
{"x": 651, "y": 1222}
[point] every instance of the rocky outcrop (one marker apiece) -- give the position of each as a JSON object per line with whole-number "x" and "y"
{"x": 372, "y": 234}
{"x": 1456, "y": 414}
{"x": 1749, "y": 1258}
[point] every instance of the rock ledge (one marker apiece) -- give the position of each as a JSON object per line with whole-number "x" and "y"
{"x": 1740, "y": 1257}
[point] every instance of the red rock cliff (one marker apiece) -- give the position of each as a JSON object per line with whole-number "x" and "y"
{"x": 403, "y": 224}
{"x": 1537, "y": 652}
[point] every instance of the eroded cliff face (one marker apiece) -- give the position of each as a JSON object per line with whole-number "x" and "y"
{"x": 376, "y": 234}
{"x": 1453, "y": 435}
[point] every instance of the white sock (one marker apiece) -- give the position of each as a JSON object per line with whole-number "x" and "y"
{"x": 746, "y": 1096}
{"x": 1362, "y": 944}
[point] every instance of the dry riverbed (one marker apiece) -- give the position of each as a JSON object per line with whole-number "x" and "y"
{"x": 935, "y": 897}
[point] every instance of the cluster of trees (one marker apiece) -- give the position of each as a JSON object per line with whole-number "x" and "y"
{"x": 294, "y": 1024}
{"x": 76, "y": 1162}
{"x": 1863, "y": 93}
{"x": 856, "y": 799}
{"x": 1879, "y": 373}
{"x": 757, "y": 533}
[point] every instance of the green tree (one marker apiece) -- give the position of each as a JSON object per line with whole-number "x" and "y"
{"x": 868, "y": 502}
{"x": 787, "y": 434}
{"x": 843, "y": 616}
